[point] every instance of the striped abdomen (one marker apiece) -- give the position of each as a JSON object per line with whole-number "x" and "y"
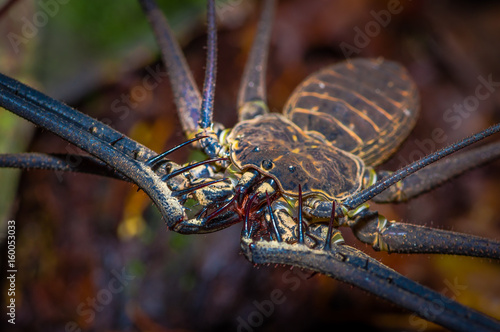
{"x": 363, "y": 106}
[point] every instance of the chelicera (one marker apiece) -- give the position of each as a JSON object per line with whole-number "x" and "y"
{"x": 292, "y": 179}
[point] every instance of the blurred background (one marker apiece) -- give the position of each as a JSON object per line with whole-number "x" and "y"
{"x": 94, "y": 254}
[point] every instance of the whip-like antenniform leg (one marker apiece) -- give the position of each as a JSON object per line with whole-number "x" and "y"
{"x": 195, "y": 110}
{"x": 436, "y": 174}
{"x": 207, "y": 104}
{"x": 407, "y": 238}
{"x": 402, "y": 173}
{"x": 322, "y": 210}
{"x": 186, "y": 93}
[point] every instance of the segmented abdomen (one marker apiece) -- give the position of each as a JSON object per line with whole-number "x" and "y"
{"x": 363, "y": 106}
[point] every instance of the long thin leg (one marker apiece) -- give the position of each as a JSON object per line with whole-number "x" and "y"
{"x": 438, "y": 173}
{"x": 60, "y": 162}
{"x": 407, "y": 238}
{"x": 396, "y": 237}
{"x": 252, "y": 93}
{"x": 354, "y": 267}
{"x": 186, "y": 94}
{"x": 404, "y": 172}
{"x": 210, "y": 144}
{"x": 322, "y": 210}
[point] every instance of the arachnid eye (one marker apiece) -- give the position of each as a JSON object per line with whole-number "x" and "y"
{"x": 291, "y": 169}
{"x": 267, "y": 164}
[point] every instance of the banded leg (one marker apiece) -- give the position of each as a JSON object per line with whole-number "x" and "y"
{"x": 252, "y": 99}
{"x": 350, "y": 265}
{"x": 438, "y": 173}
{"x": 396, "y": 237}
{"x": 408, "y": 238}
{"x": 354, "y": 267}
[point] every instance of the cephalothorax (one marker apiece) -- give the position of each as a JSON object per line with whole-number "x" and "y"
{"x": 337, "y": 121}
{"x": 294, "y": 178}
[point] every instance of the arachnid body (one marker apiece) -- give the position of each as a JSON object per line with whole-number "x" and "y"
{"x": 291, "y": 181}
